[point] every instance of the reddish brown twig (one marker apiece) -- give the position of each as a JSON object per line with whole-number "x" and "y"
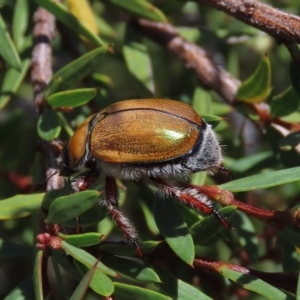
{"x": 282, "y": 26}
{"x": 278, "y": 219}
{"x": 210, "y": 74}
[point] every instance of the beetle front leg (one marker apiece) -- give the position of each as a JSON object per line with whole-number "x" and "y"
{"x": 111, "y": 202}
{"x": 190, "y": 196}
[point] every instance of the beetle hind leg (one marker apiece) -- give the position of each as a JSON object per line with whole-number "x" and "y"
{"x": 191, "y": 196}
{"x": 111, "y": 202}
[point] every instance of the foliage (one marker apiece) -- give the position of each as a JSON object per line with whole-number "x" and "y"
{"x": 188, "y": 255}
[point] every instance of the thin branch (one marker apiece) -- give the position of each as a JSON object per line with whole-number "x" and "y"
{"x": 41, "y": 62}
{"x": 282, "y": 26}
{"x": 210, "y": 74}
{"x": 41, "y": 74}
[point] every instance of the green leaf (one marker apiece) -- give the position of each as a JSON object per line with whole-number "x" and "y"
{"x": 128, "y": 249}
{"x": 245, "y": 236}
{"x": 262, "y": 181}
{"x": 53, "y": 194}
{"x": 298, "y": 287}
{"x": 86, "y": 258}
{"x": 172, "y": 226}
{"x": 202, "y": 102}
{"x": 258, "y": 86}
{"x": 20, "y": 23}
{"x": 126, "y": 291}
{"x": 23, "y": 291}
{"x": 132, "y": 269}
{"x": 72, "y": 73}
{"x": 94, "y": 278}
{"x": 82, "y": 240}
{"x": 12, "y": 81}
{"x": 149, "y": 219}
{"x": 246, "y": 163}
{"x": 138, "y": 8}
{"x": 285, "y": 103}
{"x": 20, "y": 206}
{"x": 212, "y": 120}
{"x": 208, "y": 227}
{"x": 72, "y": 98}
{"x": 290, "y": 235}
{"x": 254, "y": 284}
{"x": 294, "y": 71}
{"x": 68, "y": 207}
{"x": 137, "y": 59}
{"x": 290, "y": 141}
{"x": 12, "y": 250}
{"x": 176, "y": 288}
{"x": 188, "y": 292}
{"x": 48, "y": 125}
{"x": 63, "y": 15}
{"x": 7, "y": 49}
{"x": 37, "y": 275}
{"x": 89, "y": 218}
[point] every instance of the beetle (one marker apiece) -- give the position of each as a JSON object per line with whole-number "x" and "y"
{"x": 144, "y": 140}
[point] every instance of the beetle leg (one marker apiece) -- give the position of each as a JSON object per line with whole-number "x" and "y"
{"x": 190, "y": 196}
{"x": 111, "y": 191}
{"x": 83, "y": 182}
{"x": 111, "y": 202}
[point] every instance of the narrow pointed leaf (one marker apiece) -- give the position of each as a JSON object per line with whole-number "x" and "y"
{"x": 68, "y": 207}
{"x": 83, "y": 11}
{"x": 82, "y": 240}
{"x": 7, "y": 49}
{"x": 245, "y": 163}
{"x": 254, "y": 284}
{"x": 129, "y": 292}
{"x": 174, "y": 229}
{"x": 138, "y": 59}
{"x": 20, "y": 23}
{"x": 23, "y": 291}
{"x": 149, "y": 219}
{"x": 139, "y": 8}
{"x": 262, "y": 181}
{"x": 48, "y": 126}
{"x": 12, "y": 81}
{"x": 258, "y": 86}
{"x": 86, "y": 258}
{"x": 188, "y": 292}
{"x": 129, "y": 249}
{"x": 62, "y": 14}
{"x": 53, "y": 194}
{"x": 208, "y": 227}
{"x": 132, "y": 269}
{"x": 72, "y": 98}
{"x": 176, "y": 288}
{"x": 285, "y": 103}
{"x": 96, "y": 279}
{"x": 20, "y": 206}
{"x": 72, "y": 73}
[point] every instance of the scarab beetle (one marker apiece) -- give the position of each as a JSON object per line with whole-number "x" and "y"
{"x": 144, "y": 140}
